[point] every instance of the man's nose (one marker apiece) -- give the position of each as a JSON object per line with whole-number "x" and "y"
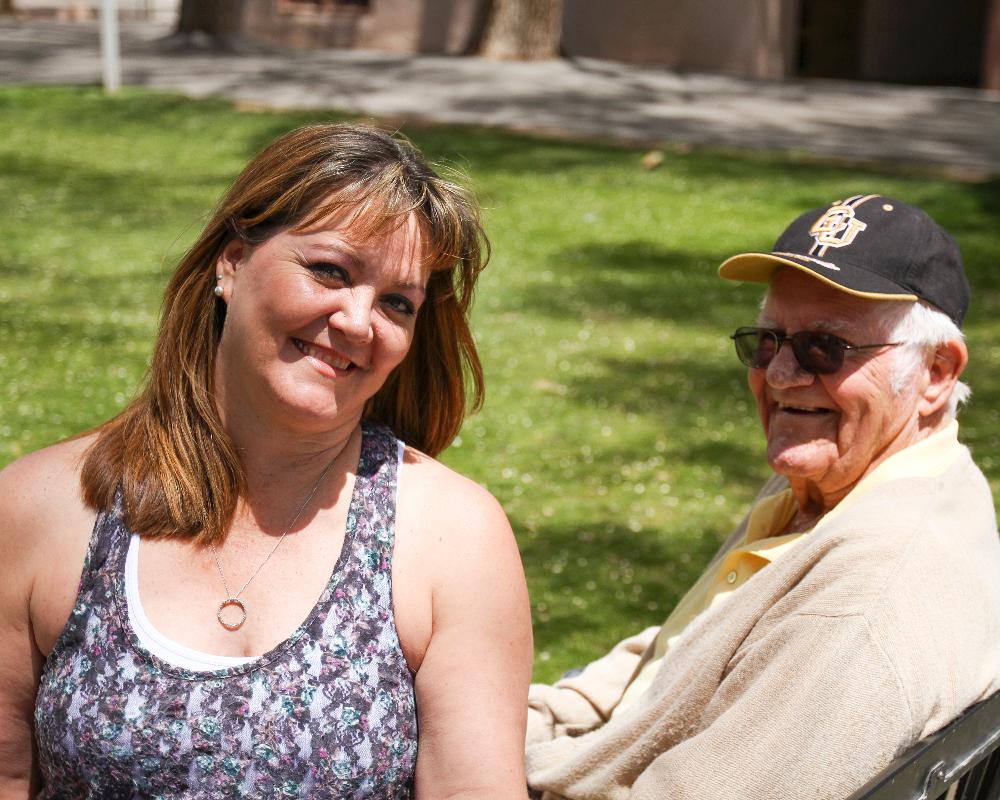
{"x": 785, "y": 371}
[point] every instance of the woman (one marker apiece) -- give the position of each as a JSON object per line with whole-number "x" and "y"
{"x": 220, "y": 592}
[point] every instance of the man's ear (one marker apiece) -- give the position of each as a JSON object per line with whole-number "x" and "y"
{"x": 946, "y": 365}
{"x": 226, "y": 265}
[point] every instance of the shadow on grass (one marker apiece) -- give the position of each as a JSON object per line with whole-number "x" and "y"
{"x": 17, "y": 269}
{"x": 117, "y": 189}
{"x": 695, "y": 398}
{"x": 642, "y": 279}
{"x": 599, "y": 583}
{"x": 987, "y": 194}
{"x": 982, "y": 253}
{"x": 14, "y": 325}
{"x": 89, "y": 110}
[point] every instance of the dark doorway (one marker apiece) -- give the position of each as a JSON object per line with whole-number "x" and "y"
{"x": 896, "y": 41}
{"x": 830, "y": 39}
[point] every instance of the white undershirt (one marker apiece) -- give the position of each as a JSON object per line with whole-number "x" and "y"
{"x": 162, "y": 646}
{"x": 155, "y": 642}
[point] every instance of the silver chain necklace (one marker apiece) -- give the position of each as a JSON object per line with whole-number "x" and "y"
{"x": 233, "y": 600}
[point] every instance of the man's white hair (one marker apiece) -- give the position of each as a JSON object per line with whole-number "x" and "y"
{"x": 921, "y": 328}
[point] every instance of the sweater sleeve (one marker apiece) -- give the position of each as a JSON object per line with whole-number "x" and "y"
{"x": 813, "y": 709}
{"x": 580, "y": 703}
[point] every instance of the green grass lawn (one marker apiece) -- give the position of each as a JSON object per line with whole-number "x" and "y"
{"x": 617, "y": 432}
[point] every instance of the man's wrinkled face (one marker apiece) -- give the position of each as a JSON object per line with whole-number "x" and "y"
{"x": 829, "y": 431}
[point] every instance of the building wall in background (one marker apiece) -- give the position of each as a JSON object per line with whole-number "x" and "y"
{"x": 407, "y": 26}
{"x": 750, "y": 38}
{"x": 161, "y": 11}
{"x": 901, "y": 41}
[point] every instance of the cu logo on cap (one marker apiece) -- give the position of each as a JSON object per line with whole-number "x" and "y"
{"x": 836, "y": 228}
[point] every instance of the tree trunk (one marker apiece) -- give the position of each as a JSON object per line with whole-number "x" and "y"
{"x": 991, "y": 49}
{"x": 219, "y": 19}
{"x": 526, "y": 30}
{"x": 769, "y": 63}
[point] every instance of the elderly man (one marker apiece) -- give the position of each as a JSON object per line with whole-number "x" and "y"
{"x": 857, "y": 607}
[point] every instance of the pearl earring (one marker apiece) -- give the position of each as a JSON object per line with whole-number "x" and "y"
{"x": 217, "y": 291}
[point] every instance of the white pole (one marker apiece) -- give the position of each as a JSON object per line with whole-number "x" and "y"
{"x": 111, "y": 64}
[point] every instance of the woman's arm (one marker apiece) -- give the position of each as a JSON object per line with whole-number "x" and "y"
{"x": 20, "y": 659}
{"x": 472, "y": 679}
{"x": 43, "y": 538}
{"x": 20, "y": 664}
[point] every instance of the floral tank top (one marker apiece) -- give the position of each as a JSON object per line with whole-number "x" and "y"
{"x": 328, "y": 713}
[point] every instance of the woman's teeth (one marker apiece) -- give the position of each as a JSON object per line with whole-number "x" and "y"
{"x": 326, "y": 356}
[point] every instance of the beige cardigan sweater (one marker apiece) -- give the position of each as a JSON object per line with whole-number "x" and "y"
{"x": 872, "y": 632}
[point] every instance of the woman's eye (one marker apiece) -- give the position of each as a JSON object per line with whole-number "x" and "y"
{"x": 328, "y": 271}
{"x": 401, "y": 304}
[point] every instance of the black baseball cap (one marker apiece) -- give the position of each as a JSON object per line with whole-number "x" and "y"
{"x": 869, "y": 246}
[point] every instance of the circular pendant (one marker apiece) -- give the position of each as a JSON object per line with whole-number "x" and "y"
{"x": 234, "y": 623}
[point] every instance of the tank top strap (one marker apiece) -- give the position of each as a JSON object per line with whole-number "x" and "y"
{"x": 372, "y": 516}
{"x": 361, "y": 583}
{"x": 110, "y": 538}
{"x": 100, "y": 578}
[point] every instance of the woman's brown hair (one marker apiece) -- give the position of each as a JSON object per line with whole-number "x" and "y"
{"x": 167, "y": 451}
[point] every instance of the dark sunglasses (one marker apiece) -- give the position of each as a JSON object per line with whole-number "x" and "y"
{"x": 816, "y": 352}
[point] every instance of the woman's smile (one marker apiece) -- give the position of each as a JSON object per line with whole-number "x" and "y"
{"x": 330, "y": 361}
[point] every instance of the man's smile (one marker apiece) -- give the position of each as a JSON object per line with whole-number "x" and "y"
{"x": 802, "y": 409}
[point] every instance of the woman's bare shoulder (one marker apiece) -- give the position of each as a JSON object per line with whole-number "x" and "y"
{"x": 452, "y": 519}
{"x": 40, "y": 494}
{"x": 52, "y": 472}
{"x": 445, "y": 491}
